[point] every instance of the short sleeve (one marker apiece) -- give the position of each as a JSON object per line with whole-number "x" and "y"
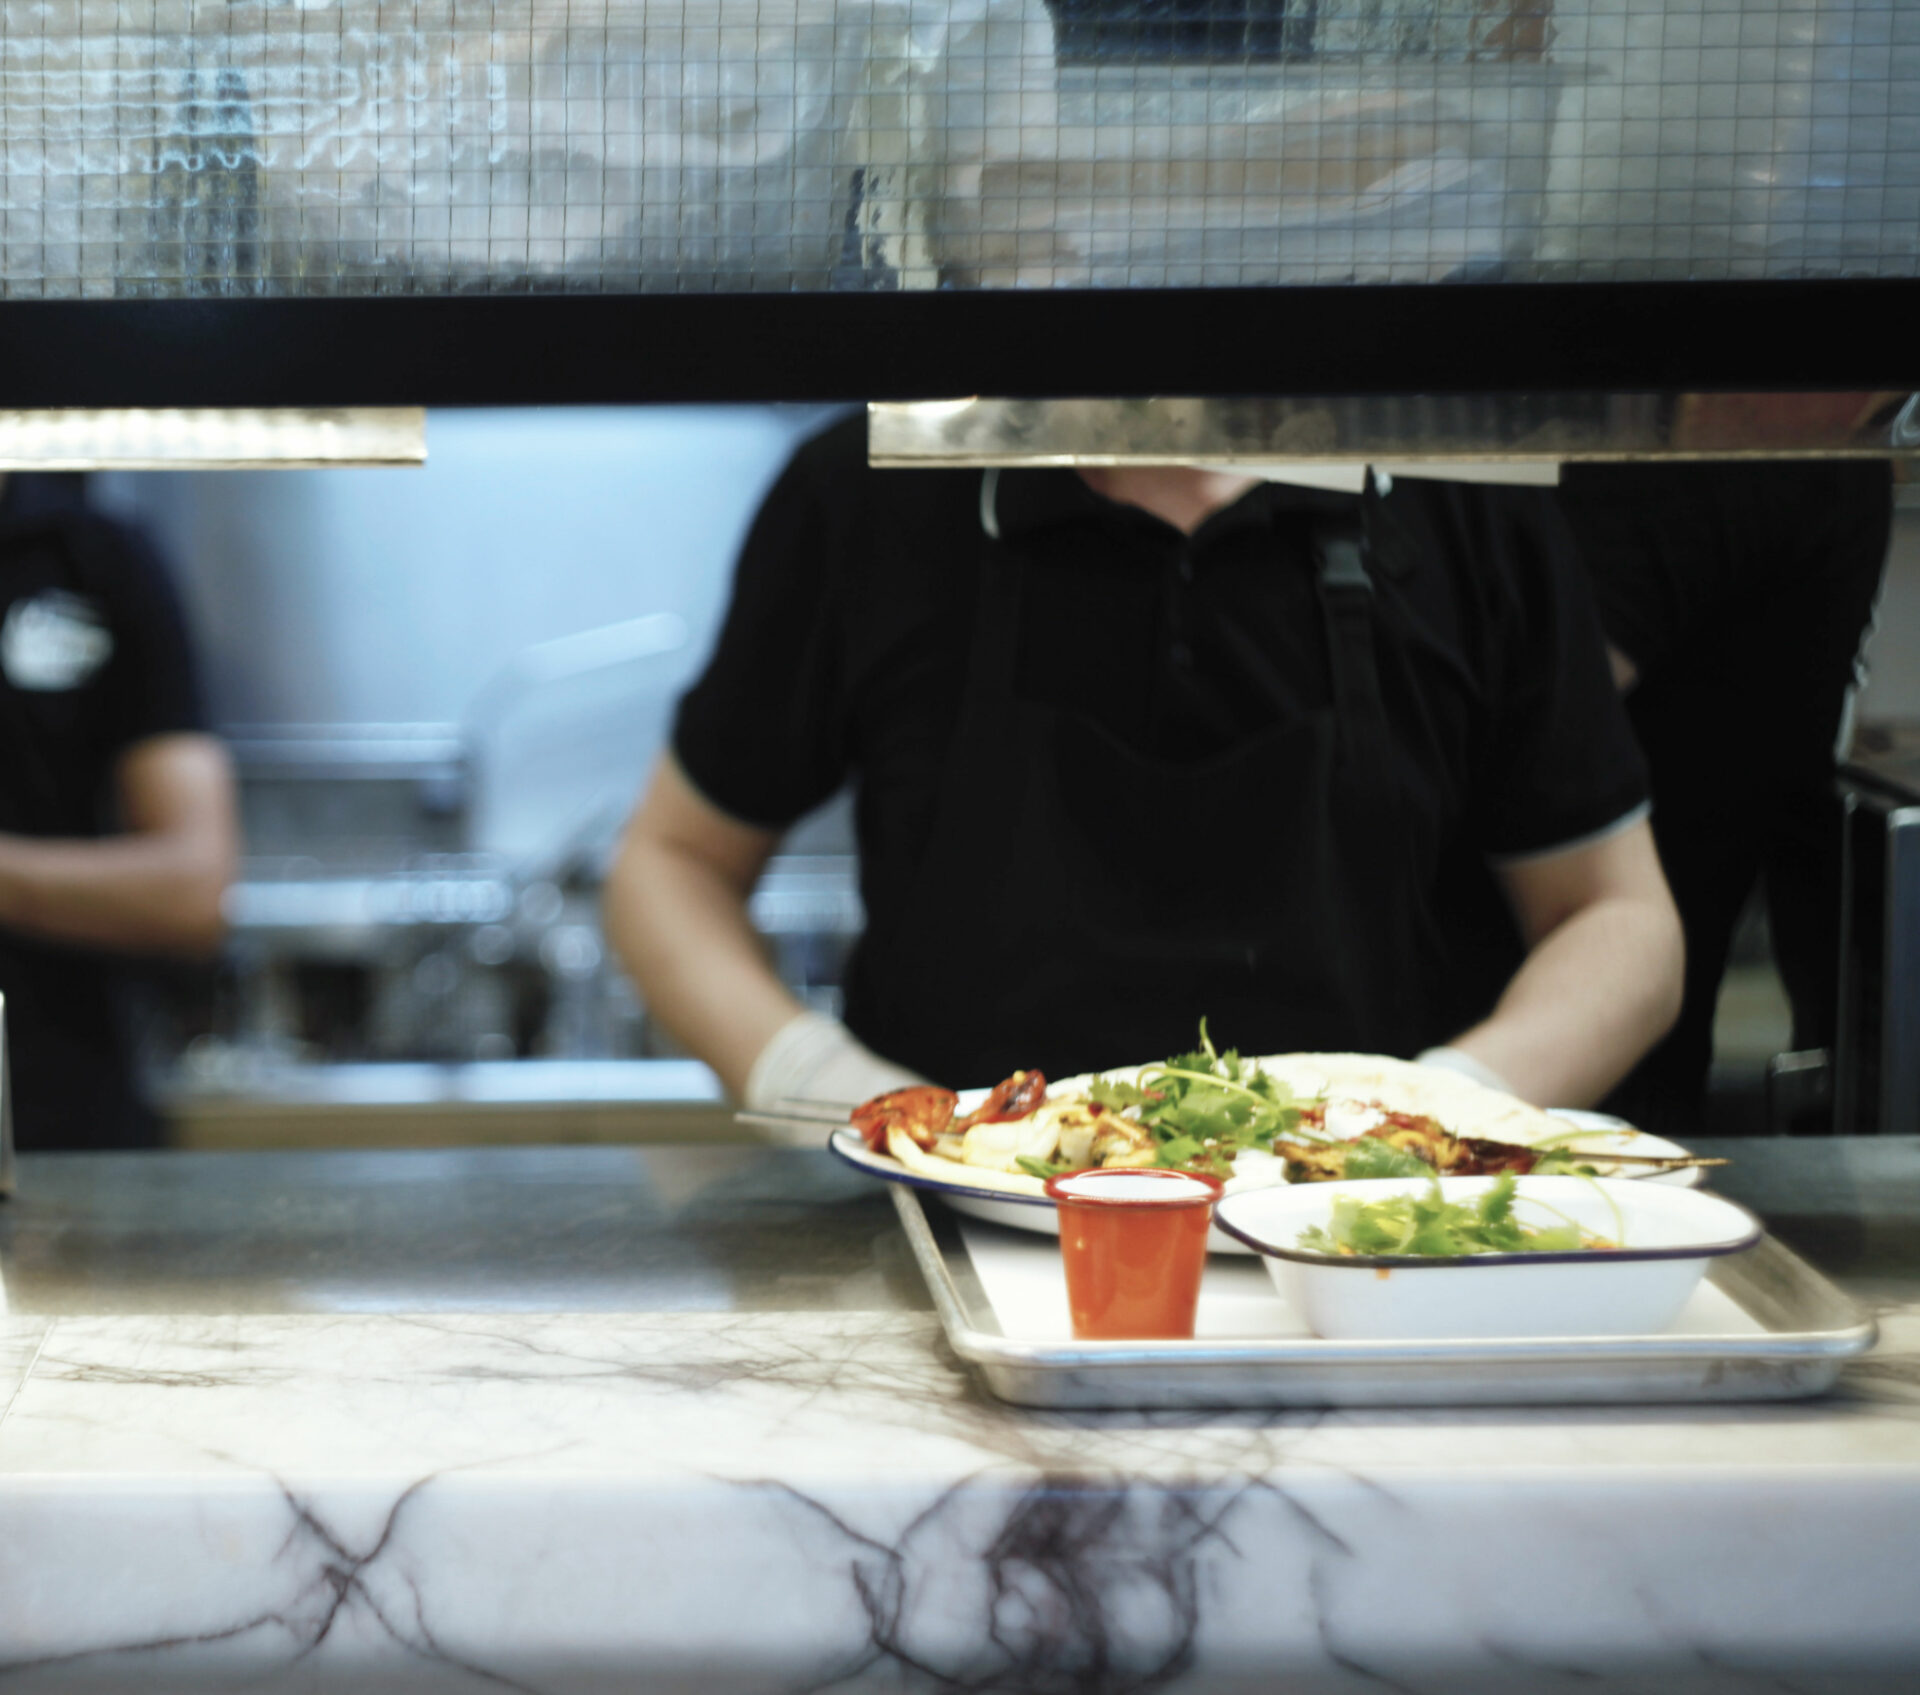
{"x": 761, "y": 734}
{"x": 1564, "y": 767}
{"x": 151, "y": 687}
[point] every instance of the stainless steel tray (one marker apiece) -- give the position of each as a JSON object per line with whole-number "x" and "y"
{"x": 1808, "y": 1331}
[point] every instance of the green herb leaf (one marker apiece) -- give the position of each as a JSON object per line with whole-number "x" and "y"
{"x": 1496, "y": 1205}
{"x": 1371, "y": 1157}
{"x": 1558, "y": 1163}
{"x": 1042, "y": 1168}
{"x": 1117, "y": 1096}
{"x": 1203, "y": 1107}
{"x": 1430, "y": 1226}
{"x": 1179, "y": 1150}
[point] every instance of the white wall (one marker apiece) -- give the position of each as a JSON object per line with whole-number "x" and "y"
{"x": 391, "y": 596}
{"x": 344, "y": 598}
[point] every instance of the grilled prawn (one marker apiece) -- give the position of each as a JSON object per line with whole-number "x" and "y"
{"x": 921, "y": 1113}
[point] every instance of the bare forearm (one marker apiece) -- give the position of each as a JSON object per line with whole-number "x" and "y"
{"x": 681, "y": 928}
{"x": 138, "y": 893}
{"x": 1592, "y": 997}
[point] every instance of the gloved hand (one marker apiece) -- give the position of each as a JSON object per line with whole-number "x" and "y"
{"x": 816, "y": 1058}
{"x": 1464, "y": 1065}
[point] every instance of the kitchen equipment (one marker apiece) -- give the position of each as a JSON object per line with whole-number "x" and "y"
{"x": 6, "y": 1108}
{"x": 1876, "y": 1058}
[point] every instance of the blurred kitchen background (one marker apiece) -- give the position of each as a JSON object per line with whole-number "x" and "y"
{"x": 444, "y": 688}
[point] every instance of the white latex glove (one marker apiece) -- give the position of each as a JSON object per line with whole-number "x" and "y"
{"x": 1464, "y": 1065}
{"x": 816, "y": 1058}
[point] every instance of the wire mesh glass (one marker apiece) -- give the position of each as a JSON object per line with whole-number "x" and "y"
{"x": 313, "y": 147}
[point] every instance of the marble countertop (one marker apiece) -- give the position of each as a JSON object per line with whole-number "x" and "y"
{"x": 570, "y": 1420}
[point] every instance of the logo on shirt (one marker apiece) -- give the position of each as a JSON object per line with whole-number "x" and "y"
{"x": 54, "y": 641}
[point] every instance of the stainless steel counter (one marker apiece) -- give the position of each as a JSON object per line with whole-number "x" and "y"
{"x": 659, "y": 1229}
{"x": 551, "y": 1229}
{"x": 1850, "y": 1204}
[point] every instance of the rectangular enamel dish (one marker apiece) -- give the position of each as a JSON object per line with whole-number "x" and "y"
{"x": 1803, "y": 1331}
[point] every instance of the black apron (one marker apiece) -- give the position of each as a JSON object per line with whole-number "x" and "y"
{"x": 1082, "y": 905}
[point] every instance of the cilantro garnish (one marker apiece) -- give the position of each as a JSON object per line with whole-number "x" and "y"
{"x": 1373, "y": 1156}
{"x": 1561, "y": 1162}
{"x": 1203, "y": 1108}
{"x": 1427, "y": 1225}
{"x": 1043, "y": 1168}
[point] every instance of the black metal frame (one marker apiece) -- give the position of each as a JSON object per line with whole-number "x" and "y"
{"x": 552, "y": 349}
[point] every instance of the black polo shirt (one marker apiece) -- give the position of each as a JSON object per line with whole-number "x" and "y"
{"x": 1741, "y": 592}
{"x": 1682, "y": 553}
{"x": 844, "y": 651}
{"x": 93, "y": 660}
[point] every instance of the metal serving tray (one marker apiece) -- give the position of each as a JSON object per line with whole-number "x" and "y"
{"x": 1807, "y": 1331}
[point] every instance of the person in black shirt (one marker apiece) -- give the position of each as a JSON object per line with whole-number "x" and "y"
{"x": 1735, "y": 598}
{"x": 117, "y": 818}
{"x": 1130, "y": 747}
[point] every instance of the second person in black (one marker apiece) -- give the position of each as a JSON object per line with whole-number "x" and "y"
{"x": 117, "y": 812}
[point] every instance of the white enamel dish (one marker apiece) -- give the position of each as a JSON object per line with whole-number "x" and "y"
{"x": 1021, "y": 1212}
{"x": 1665, "y": 1238}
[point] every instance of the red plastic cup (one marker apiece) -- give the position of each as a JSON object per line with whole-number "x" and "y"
{"x": 1134, "y": 1241}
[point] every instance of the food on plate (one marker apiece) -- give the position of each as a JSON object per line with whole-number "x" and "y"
{"x": 1428, "y": 1225}
{"x": 919, "y": 1114}
{"x": 1250, "y": 1123}
{"x": 1205, "y": 1111}
{"x": 925, "y": 1113}
{"x": 1660, "y": 1240}
{"x": 1401, "y": 1145}
{"x": 1065, "y": 1133}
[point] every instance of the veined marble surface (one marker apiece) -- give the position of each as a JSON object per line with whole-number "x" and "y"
{"x": 818, "y": 1499}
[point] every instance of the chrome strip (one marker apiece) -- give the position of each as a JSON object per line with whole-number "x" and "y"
{"x": 1397, "y": 430}
{"x": 212, "y": 438}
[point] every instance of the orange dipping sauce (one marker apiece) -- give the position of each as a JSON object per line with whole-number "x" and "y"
{"x": 1134, "y": 1242}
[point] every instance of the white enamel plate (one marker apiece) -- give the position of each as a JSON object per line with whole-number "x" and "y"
{"x": 1603, "y": 1135}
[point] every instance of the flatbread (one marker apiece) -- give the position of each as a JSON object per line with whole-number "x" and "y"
{"x": 1461, "y": 1105}
{"x": 916, "y": 1159}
